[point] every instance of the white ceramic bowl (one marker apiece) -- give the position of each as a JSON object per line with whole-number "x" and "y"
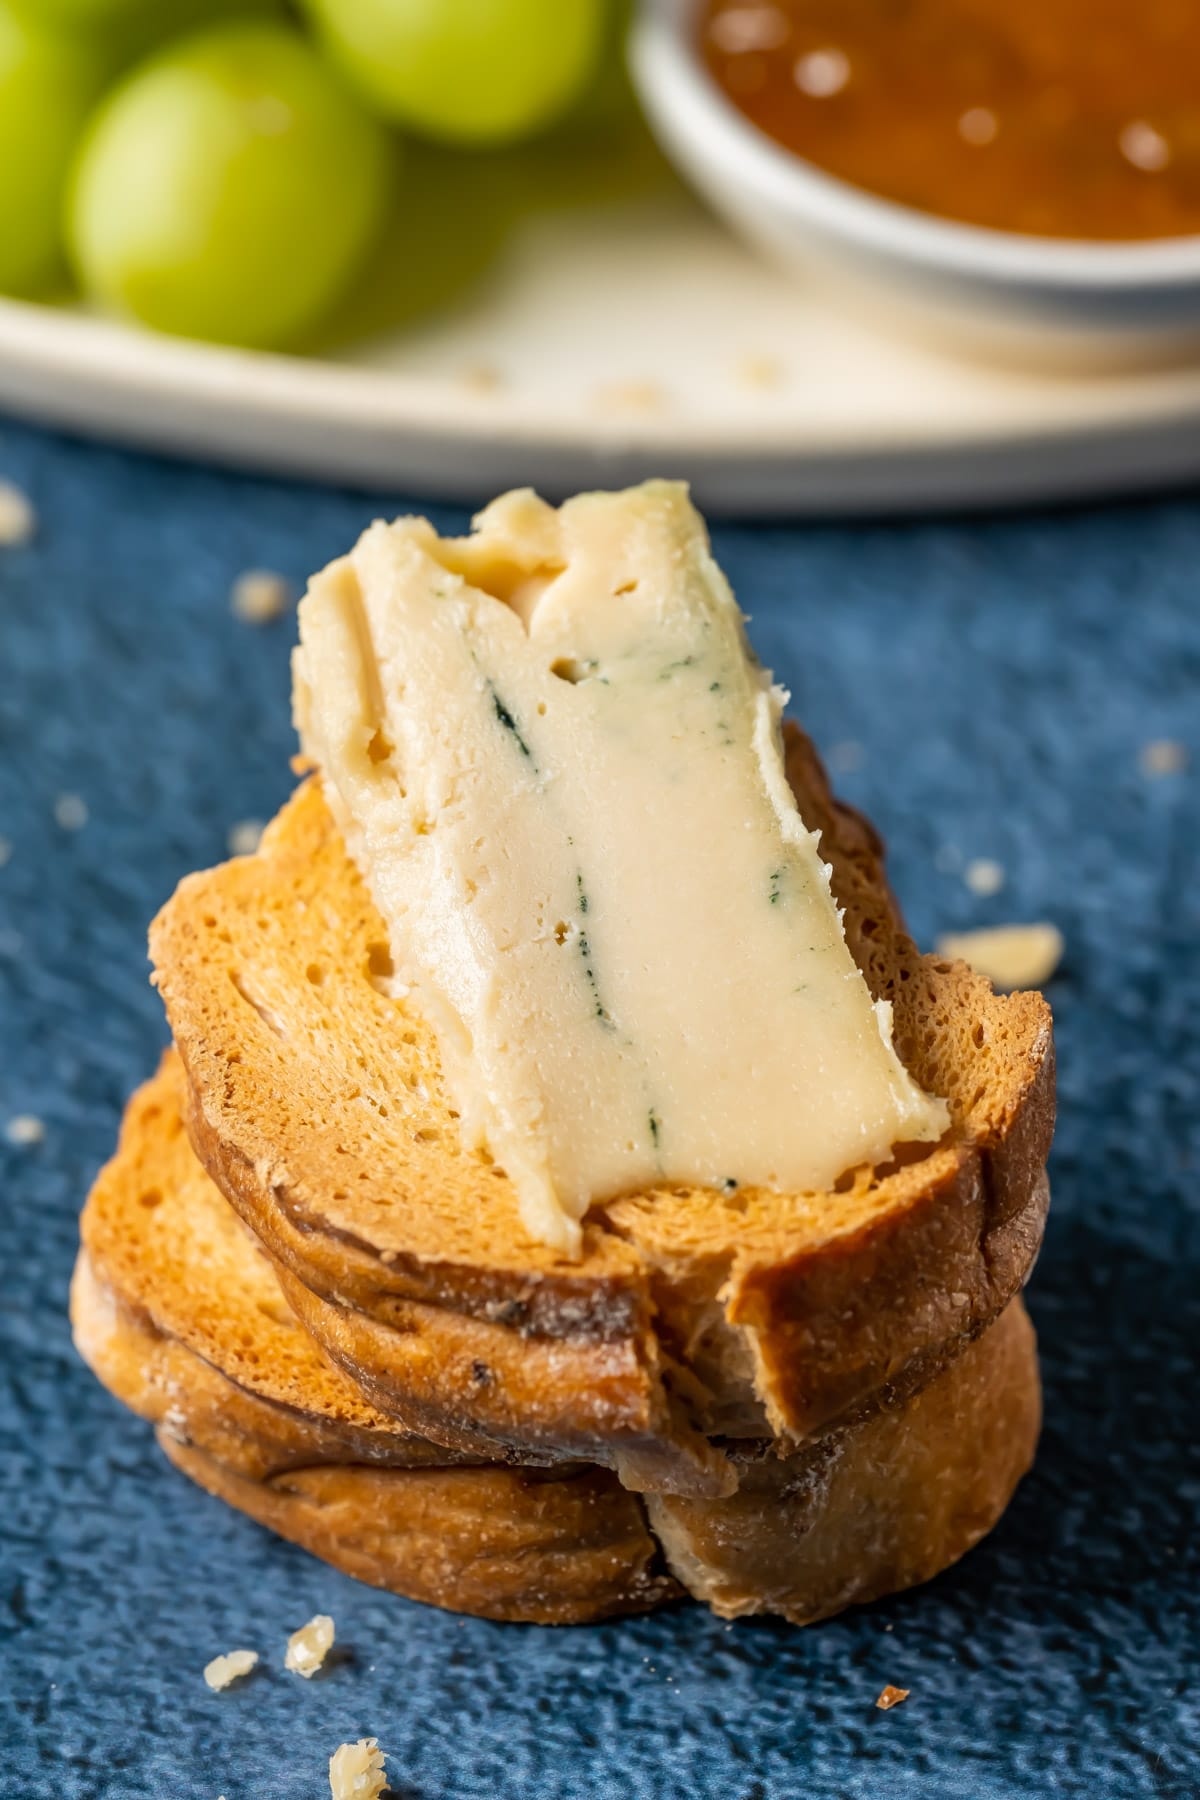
{"x": 1000, "y": 289}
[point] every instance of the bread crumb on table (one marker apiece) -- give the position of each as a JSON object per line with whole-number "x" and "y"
{"x": 260, "y": 595}
{"x": 70, "y": 812}
{"x": 18, "y": 521}
{"x": 24, "y": 1129}
{"x": 1163, "y": 756}
{"x": 892, "y": 1696}
{"x": 629, "y": 397}
{"x": 1011, "y": 956}
{"x": 480, "y": 378}
{"x": 983, "y": 876}
{"x": 356, "y": 1771}
{"x": 223, "y": 1670}
{"x": 758, "y": 371}
{"x": 244, "y": 838}
{"x": 308, "y": 1647}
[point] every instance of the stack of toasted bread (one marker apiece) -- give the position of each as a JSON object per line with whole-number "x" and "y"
{"x": 331, "y": 1312}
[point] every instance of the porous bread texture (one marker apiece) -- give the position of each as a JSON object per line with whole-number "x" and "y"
{"x": 858, "y": 1511}
{"x": 316, "y": 1103}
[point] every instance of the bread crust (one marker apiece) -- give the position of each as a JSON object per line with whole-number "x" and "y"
{"x": 871, "y": 1508}
{"x": 514, "y": 1545}
{"x": 159, "y": 1241}
{"x": 503, "y": 1543}
{"x": 244, "y": 1404}
{"x": 689, "y": 1313}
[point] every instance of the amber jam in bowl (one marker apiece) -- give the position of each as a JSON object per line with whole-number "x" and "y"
{"x": 1020, "y": 173}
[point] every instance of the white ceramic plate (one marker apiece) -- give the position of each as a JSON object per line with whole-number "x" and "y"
{"x": 608, "y": 345}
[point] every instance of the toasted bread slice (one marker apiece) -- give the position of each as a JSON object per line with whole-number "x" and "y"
{"x": 157, "y": 1233}
{"x": 316, "y": 1103}
{"x": 503, "y": 1543}
{"x": 178, "y": 1312}
{"x": 175, "y": 1309}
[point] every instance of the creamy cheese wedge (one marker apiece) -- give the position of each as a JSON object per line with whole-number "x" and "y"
{"x": 559, "y": 768}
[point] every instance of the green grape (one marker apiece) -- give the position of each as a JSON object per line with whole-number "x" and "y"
{"x": 49, "y": 83}
{"x": 465, "y": 71}
{"x": 228, "y": 188}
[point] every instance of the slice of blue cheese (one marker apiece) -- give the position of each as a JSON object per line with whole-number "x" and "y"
{"x": 558, "y": 766}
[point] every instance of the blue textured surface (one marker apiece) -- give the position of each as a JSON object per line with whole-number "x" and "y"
{"x": 1000, "y": 679}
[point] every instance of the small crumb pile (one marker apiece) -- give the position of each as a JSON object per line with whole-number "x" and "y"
{"x": 1011, "y": 956}
{"x": 70, "y": 812}
{"x": 24, "y": 1130}
{"x": 762, "y": 372}
{"x": 259, "y": 596}
{"x": 1163, "y": 756}
{"x": 18, "y": 521}
{"x": 892, "y": 1696}
{"x": 481, "y": 378}
{"x": 630, "y": 397}
{"x": 245, "y": 837}
{"x": 224, "y": 1669}
{"x": 356, "y": 1771}
{"x": 983, "y": 876}
{"x": 308, "y": 1647}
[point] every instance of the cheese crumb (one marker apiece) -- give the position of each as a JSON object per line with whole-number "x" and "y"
{"x": 245, "y": 837}
{"x": 892, "y": 1696}
{"x": 1011, "y": 956}
{"x": 70, "y": 812}
{"x": 356, "y": 1771}
{"x": 481, "y": 378}
{"x": 24, "y": 1129}
{"x": 760, "y": 372}
{"x": 258, "y": 596}
{"x": 630, "y": 397}
{"x": 308, "y": 1647}
{"x": 224, "y": 1669}
{"x": 18, "y": 521}
{"x": 983, "y": 876}
{"x": 1162, "y": 756}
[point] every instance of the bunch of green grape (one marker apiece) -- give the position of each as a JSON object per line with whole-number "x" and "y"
{"x": 223, "y": 169}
